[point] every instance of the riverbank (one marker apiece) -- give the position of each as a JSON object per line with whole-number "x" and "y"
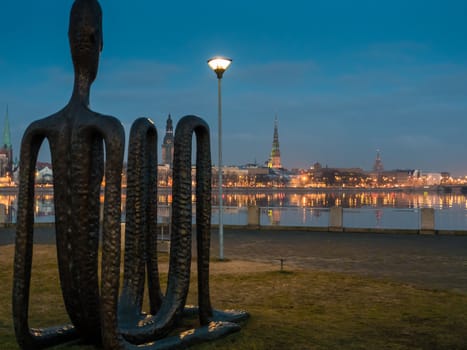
{"x": 428, "y": 261}
{"x": 48, "y": 189}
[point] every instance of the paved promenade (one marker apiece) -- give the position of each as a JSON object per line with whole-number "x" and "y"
{"x": 428, "y": 261}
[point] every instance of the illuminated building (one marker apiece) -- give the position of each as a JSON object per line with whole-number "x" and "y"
{"x": 164, "y": 175}
{"x": 378, "y": 166}
{"x": 275, "y": 158}
{"x": 340, "y": 177}
{"x": 6, "y": 150}
{"x": 168, "y": 144}
{"x": 398, "y": 177}
{"x": 44, "y": 173}
{"x": 378, "y": 169}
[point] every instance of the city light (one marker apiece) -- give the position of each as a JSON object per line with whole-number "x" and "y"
{"x": 219, "y": 65}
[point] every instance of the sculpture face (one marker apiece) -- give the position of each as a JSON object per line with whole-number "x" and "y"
{"x": 85, "y": 36}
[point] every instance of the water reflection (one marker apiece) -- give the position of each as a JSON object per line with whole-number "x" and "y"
{"x": 270, "y": 201}
{"x": 8, "y": 205}
{"x": 274, "y": 215}
{"x": 44, "y": 205}
{"x": 346, "y": 199}
{"x": 379, "y": 217}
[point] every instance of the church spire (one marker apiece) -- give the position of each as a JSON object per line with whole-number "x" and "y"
{"x": 378, "y": 165}
{"x": 169, "y": 126}
{"x": 168, "y": 143}
{"x": 275, "y": 158}
{"x": 6, "y": 150}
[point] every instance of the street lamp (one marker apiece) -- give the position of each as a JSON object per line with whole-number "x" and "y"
{"x": 219, "y": 65}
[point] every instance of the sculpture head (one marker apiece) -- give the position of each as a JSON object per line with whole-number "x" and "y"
{"x": 85, "y": 37}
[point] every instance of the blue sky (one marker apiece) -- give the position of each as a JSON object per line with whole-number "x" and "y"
{"x": 344, "y": 77}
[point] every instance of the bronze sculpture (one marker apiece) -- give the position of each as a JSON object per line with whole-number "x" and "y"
{"x": 86, "y": 147}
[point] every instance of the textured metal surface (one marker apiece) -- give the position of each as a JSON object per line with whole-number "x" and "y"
{"x": 87, "y": 147}
{"x": 135, "y": 327}
{"x": 140, "y": 228}
{"x": 76, "y": 136}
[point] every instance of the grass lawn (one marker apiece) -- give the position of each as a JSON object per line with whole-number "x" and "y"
{"x": 289, "y": 310}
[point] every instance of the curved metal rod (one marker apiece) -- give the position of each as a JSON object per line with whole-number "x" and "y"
{"x": 141, "y": 224}
{"x": 30, "y": 338}
{"x": 136, "y": 330}
{"x": 181, "y": 239}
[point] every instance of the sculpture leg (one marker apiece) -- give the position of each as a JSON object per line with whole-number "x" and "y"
{"x": 154, "y": 288}
{"x": 111, "y": 233}
{"x": 85, "y": 180}
{"x": 141, "y": 224}
{"x": 30, "y": 338}
{"x": 203, "y": 219}
{"x": 185, "y": 129}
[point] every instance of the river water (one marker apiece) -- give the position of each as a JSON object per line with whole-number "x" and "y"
{"x": 361, "y": 209}
{"x": 289, "y": 207}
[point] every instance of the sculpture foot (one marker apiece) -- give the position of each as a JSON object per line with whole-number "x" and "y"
{"x": 212, "y": 331}
{"x": 40, "y": 338}
{"x": 235, "y": 316}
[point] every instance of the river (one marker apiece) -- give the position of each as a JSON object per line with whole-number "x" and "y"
{"x": 291, "y": 207}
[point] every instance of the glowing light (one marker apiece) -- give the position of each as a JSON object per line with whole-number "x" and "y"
{"x": 219, "y": 65}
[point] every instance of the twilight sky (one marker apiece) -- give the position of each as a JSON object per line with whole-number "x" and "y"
{"x": 344, "y": 77}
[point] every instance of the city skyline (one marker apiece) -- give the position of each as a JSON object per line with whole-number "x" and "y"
{"x": 344, "y": 79}
{"x": 166, "y": 154}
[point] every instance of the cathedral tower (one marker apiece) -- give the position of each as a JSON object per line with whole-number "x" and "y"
{"x": 275, "y": 157}
{"x": 378, "y": 165}
{"x": 168, "y": 143}
{"x": 6, "y": 150}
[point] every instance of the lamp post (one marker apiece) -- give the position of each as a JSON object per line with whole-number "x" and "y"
{"x": 219, "y": 65}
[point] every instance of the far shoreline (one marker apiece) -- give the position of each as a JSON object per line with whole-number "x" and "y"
{"x": 48, "y": 189}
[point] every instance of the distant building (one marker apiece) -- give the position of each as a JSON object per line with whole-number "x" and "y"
{"x": 274, "y": 161}
{"x": 352, "y": 177}
{"x": 398, "y": 177}
{"x": 431, "y": 179}
{"x": 256, "y": 170}
{"x": 378, "y": 165}
{"x": 378, "y": 169}
{"x": 168, "y": 144}
{"x": 6, "y": 150}
{"x": 44, "y": 174}
{"x": 164, "y": 175}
